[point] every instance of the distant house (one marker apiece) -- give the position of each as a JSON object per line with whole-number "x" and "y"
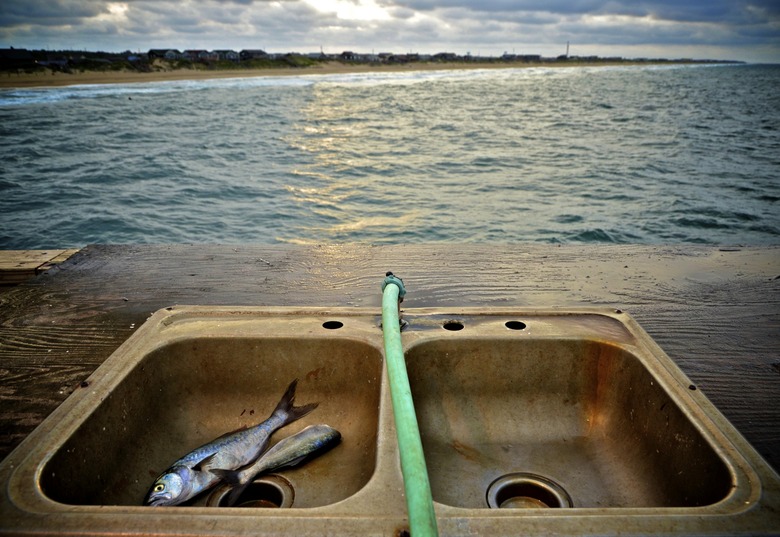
{"x": 348, "y": 56}
{"x": 252, "y": 54}
{"x": 445, "y": 57}
{"x": 528, "y": 58}
{"x": 164, "y": 54}
{"x": 55, "y": 62}
{"x": 195, "y": 55}
{"x": 16, "y": 58}
{"x": 229, "y": 55}
{"x": 403, "y": 58}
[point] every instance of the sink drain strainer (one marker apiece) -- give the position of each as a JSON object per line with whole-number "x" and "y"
{"x": 526, "y": 491}
{"x": 270, "y": 491}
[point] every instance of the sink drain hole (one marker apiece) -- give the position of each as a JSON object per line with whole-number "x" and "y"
{"x": 453, "y": 326}
{"x": 270, "y": 491}
{"x": 526, "y": 491}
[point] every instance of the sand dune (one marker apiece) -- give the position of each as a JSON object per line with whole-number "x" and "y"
{"x": 52, "y": 79}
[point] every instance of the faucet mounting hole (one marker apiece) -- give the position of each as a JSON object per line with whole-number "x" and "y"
{"x": 453, "y": 326}
{"x": 515, "y": 325}
{"x": 332, "y": 325}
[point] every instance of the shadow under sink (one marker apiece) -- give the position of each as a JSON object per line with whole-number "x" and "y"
{"x": 555, "y": 422}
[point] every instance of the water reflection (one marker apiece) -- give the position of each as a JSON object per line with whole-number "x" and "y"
{"x": 340, "y": 188}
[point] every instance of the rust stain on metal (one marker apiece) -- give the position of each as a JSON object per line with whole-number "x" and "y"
{"x": 466, "y": 451}
{"x": 314, "y": 373}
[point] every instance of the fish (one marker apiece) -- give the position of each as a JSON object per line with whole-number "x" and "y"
{"x": 191, "y": 474}
{"x": 290, "y": 451}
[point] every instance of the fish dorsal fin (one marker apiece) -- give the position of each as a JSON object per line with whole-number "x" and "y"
{"x": 200, "y": 465}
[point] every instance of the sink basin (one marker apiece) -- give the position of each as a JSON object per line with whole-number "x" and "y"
{"x": 188, "y": 392}
{"x": 586, "y": 415}
{"x": 575, "y": 423}
{"x": 540, "y": 422}
{"x": 187, "y": 376}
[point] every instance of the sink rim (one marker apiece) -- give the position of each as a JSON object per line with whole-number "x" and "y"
{"x": 758, "y": 487}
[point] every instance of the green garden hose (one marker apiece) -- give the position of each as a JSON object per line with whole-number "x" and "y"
{"x": 419, "y": 504}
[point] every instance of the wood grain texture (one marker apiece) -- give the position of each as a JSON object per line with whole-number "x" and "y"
{"x": 715, "y": 312}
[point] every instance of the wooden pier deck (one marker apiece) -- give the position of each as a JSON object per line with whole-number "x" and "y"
{"x": 715, "y": 311}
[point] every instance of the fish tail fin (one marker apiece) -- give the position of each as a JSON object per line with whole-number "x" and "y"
{"x": 287, "y": 408}
{"x": 235, "y": 494}
{"x": 233, "y": 478}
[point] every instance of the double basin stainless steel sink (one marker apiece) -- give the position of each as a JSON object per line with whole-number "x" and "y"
{"x": 533, "y": 422}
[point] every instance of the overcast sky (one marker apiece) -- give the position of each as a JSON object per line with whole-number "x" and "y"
{"x": 716, "y": 29}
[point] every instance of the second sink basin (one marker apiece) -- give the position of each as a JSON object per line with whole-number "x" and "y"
{"x": 572, "y": 422}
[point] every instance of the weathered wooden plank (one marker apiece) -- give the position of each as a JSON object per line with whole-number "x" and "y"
{"x": 716, "y": 313}
{"x": 17, "y": 266}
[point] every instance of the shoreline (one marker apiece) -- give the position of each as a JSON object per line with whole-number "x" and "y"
{"x": 52, "y": 79}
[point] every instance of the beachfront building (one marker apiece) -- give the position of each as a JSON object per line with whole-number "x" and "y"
{"x": 164, "y": 54}
{"x": 196, "y": 55}
{"x": 227, "y": 55}
{"x": 445, "y": 57}
{"x": 16, "y": 58}
{"x": 252, "y": 54}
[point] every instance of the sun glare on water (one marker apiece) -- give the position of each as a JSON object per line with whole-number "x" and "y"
{"x": 364, "y": 10}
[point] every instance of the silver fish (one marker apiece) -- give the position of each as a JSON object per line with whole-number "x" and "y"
{"x": 192, "y": 474}
{"x": 289, "y": 451}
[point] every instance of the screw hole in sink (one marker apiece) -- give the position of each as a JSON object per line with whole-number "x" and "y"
{"x": 515, "y": 325}
{"x": 453, "y": 326}
{"x": 526, "y": 491}
{"x": 332, "y": 325}
{"x": 271, "y": 491}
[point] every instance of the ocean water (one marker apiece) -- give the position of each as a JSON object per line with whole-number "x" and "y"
{"x": 646, "y": 155}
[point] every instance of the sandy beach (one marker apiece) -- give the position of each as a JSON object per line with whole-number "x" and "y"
{"x": 54, "y": 78}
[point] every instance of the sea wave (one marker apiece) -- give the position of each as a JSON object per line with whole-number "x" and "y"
{"x": 581, "y": 155}
{"x": 27, "y": 96}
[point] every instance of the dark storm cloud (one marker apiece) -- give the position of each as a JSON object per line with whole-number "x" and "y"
{"x": 423, "y": 25}
{"x": 48, "y": 12}
{"x": 602, "y": 22}
{"x": 673, "y": 10}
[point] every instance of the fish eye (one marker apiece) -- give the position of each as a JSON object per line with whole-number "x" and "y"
{"x": 159, "y": 487}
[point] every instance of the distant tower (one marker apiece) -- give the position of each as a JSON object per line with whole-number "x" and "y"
{"x": 567, "y": 49}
